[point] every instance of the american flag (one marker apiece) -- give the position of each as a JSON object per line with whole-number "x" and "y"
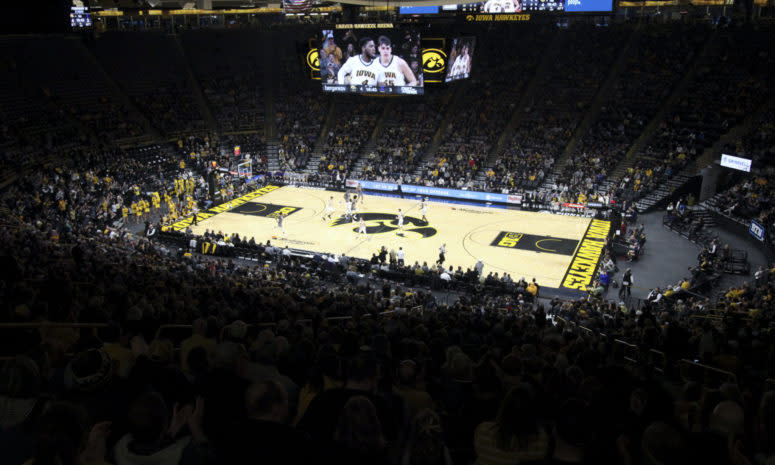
{"x": 297, "y": 6}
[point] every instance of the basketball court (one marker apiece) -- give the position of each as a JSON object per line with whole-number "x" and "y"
{"x": 559, "y": 251}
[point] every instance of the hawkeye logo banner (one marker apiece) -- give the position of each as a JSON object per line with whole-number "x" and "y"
{"x": 313, "y": 63}
{"x": 379, "y": 223}
{"x": 433, "y": 60}
{"x": 581, "y": 271}
{"x": 186, "y": 222}
{"x": 533, "y": 243}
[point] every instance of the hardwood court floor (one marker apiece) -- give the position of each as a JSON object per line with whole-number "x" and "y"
{"x": 523, "y": 244}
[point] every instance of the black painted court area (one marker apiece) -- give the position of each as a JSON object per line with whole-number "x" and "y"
{"x": 263, "y": 209}
{"x": 533, "y": 243}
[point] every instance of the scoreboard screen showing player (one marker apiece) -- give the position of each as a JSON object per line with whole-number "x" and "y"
{"x": 502, "y": 6}
{"x": 371, "y": 61}
{"x": 461, "y": 55}
{"x": 519, "y": 6}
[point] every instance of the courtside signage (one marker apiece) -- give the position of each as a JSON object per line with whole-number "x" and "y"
{"x": 736, "y": 163}
{"x": 756, "y": 230}
{"x": 437, "y": 191}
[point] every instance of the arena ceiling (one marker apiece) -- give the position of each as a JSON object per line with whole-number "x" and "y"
{"x": 219, "y": 4}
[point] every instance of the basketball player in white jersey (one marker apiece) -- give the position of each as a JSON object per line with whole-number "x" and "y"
{"x": 281, "y": 225}
{"x": 329, "y": 209}
{"x": 362, "y": 227}
{"x": 500, "y": 6}
{"x": 424, "y": 208}
{"x": 393, "y": 70}
{"x": 354, "y": 208}
{"x": 348, "y": 210}
{"x": 359, "y": 192}
{"x": 400, "y": 218}
{"x": 360, "y": 69}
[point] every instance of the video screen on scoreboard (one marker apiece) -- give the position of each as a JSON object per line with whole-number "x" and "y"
{"x": 541, "y": 5}
{"x": 461, "y": 55}
{"x": 587, "y": 6}
{"x": 371, "y": 61}
{"x": 501, "y": 6}
{"x": 80, "y": 18}
{"x": 514, "y": 6}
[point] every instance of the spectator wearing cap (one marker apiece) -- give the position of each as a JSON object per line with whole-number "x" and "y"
{"x": 89, "y": 380}
{"x": 333, "y": 52}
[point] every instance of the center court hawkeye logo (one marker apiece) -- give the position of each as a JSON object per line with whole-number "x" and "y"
{"x": 433, "y": 60}
{"x": 379, "y": 223}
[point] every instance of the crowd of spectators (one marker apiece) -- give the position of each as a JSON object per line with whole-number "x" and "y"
{"x": 226, "y": 151}
{"x": 485, "y": 109}
{"x": 750, "y": 196}
{"x": 230, "y": 76}
{"x": 353, "y": 125}
{"x": 560, "y": 102}
{"x": 711, "y": 104}
{"x": 405, "y": 137}
{"x": 61, "y": 86}
{"x": 152, "y": 70}
{"x": 265, "y": 370}
{"x": 648, "y": 74}
{"x": 298, "y": 120}
{"x": 334, "y": 360}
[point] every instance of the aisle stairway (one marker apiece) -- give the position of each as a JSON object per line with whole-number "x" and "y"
{"x": 665, "y": 190}
{"x": 272, "y": 157}
{"x": 603, "y": 92}
{"x": 553, "y": 48}
{"x": 371, "y": 145}
{"x": 317, "y": 151}
{"x": 196, "y": 89}
{"x": 436, "y": 142}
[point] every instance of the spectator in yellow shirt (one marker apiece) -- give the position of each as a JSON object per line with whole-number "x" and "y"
{"x": 198, "y": 339}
